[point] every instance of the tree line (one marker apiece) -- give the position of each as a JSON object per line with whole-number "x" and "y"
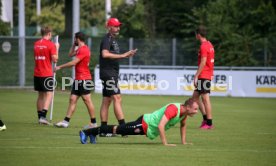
{"x": 241, "y": 30}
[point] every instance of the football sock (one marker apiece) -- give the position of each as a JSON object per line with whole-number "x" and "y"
{"x": 106, "y": 129}
{"x": 102, "y": 129}
{"x": 44, "y": 113}
{"x": 39, "y": 113}
{"x": 93, "y": 120}
{"x": 204, "y": 117}
{"x": 122, "y": 121}
{"x": 103, "y": 123}
{"x": 1, "y": 123}
{"x": 93, "y": 131}
{"x": 209, "y": 122}
{"x": 67, "y": 119}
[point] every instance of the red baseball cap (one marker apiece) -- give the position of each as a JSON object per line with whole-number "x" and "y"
{"x": 114, "y": 22}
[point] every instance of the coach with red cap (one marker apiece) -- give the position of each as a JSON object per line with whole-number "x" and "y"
{"x": 109, "y": 71}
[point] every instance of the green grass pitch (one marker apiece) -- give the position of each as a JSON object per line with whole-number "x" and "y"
{"x": 244, "y": 134}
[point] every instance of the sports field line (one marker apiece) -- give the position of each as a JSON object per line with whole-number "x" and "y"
{"x": 223, "y": 134}
{"x": 141, "y": 148}
{"x": 266, "y": 133}
{"x": 14, "y": 139}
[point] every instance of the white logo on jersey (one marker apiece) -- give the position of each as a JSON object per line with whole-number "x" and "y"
{"x": 40, "y": 58}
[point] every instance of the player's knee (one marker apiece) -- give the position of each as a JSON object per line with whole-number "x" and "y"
{"x": 205, "y": 99}
{"x": 107, "y": 101}
{"x": 137, "y": 131}
{"x": 86, "y": 100}
{"x": 117, "y": 98}
{"x": 72, "y": 100}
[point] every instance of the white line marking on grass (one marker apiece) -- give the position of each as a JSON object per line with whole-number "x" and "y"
{"x": 140, "y": 148}
{"x": 14, "y": 139}
{"x": 232, "y": 150}
{"x": 265, "y": 133}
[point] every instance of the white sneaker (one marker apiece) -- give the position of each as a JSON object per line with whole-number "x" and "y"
{"x": 62, "y": 124}
{"x": 43, "y": 121}
{"x": 3, "y": 128}
{"x": 91, "y": 125}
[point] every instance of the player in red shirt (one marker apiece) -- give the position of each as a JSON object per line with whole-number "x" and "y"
{"x": 45, "y": 52}
{"x": 203, "y": 77}
{"x": 82, "y": 84}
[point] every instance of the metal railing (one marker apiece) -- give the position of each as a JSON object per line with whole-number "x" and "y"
{"x": 152, "y": 54}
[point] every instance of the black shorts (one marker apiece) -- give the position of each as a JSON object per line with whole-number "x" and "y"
{"x": 110, "y": 86}
{"x": 82, "y": 87}
{"x": 203, "y": 86}
{"x": 43, "y": 84}
{"x": 132, "y": 128}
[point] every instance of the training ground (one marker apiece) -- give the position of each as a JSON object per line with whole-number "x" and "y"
{"x": 244, "y": 134}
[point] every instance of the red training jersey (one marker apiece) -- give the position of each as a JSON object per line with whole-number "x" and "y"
{"x": 82, "y": 68}
{"x": 43, "y": 51}
{"x": 207, "y": 50}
